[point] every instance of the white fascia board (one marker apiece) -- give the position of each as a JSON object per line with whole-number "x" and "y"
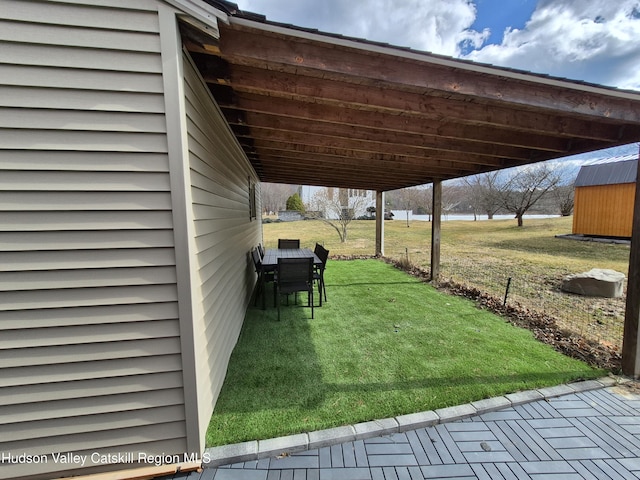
{"x": 201, "y": 15}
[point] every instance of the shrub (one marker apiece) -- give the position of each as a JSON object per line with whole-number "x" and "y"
{"x": 294, "y": 202}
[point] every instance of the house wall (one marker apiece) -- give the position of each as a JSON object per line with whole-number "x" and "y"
{"x": 92, "y": 345}
{"x": 224, "y": 234}
{"x": 605, "y": 210}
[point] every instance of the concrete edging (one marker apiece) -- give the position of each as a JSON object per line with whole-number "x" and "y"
{"x": 258, "y": 449}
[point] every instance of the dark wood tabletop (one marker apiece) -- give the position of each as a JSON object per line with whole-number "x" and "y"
{"x": 271, "y": 256}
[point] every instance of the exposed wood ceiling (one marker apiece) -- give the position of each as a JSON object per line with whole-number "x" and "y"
{"x": 317, "y": 109}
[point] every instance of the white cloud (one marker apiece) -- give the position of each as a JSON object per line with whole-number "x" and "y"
{"x": 592, "y": 40}
{"x": 438, "y": 26}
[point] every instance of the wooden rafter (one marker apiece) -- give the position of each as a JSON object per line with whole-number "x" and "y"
{"x": 315, "y": 109}
{"x": 348, "y": 95}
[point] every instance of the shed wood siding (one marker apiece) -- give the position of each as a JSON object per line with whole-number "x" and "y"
{"x": 224, "y": 235}
{"x": 604, "y": 210}
{"x": 89, "y": 336}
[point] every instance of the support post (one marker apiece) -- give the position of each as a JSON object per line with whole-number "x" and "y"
{"x": 630, "y": 341}
{"x": 435, "y": 230}
{"x": 380, "y": 224}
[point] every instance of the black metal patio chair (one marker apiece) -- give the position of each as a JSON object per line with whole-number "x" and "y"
{"x": 263, "y": 277}
{"x": 294, "y": 275}
{"x": 288, "y": 243}
{"x": 318, "y": 275}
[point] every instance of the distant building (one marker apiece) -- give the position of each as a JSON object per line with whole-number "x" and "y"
{"x": 604, "y": 198}
{"x": 317, "y": 199}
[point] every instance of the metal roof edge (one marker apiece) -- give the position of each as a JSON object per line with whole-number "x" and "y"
{"x": 612, "y": 173}
{"x": 441, "y": 60}
{"x": 612, "y": 159}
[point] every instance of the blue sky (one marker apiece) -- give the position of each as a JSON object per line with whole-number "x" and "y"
{"x": 498, "y": 15}
{"x": 596, "y": 41}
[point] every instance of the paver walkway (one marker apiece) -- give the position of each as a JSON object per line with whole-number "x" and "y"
{"x": 590, "y": 434}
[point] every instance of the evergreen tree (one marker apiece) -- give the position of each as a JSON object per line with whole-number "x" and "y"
{"x": 294, "y": 202}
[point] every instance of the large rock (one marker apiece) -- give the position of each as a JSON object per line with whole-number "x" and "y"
{"x": 597, "y": 282}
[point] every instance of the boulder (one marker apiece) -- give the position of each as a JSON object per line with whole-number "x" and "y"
{"x": 597, "y": 282}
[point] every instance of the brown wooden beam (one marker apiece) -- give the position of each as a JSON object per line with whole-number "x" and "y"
{"x": 395, "y": 139}
{"x": 631, "y": 340}
{"x": 361, "y": 181}
{"x": 247, "y": 46}
{"x": 380, "y": 224}
{"x": 436, "y": 227}
{"x": 293, "y": 159}
{"x": 393, "y": 101}
{"x": 321, "y": 165}
{"x": 345, "y": 170}
{"x": 259, "y": 136}
{"x": 431, "y": 160}
{"x": 398, "y": 123}
{"x": 311, "y": 109}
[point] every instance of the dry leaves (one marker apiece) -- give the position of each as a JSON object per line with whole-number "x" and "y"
{"x": 544, "y": 326}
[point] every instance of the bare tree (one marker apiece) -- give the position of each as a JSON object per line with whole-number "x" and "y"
{"x": 409, "y": 199}
{"x": 483, "y": 194}
{"x": 415, "y": 199}
{"x": 274, "y": 196}
{"x": 525, "y": 187}
{"x": 452, "y": 195}
{"x": 340, "y": 208}
{"x": 562, "y": 194}
{"x": 562, "y": 197}
{"x": 426, "y": 201}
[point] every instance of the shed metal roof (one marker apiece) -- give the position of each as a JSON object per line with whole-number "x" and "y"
{"x": 313, "y": 108}
{"x": 611, "y": 173}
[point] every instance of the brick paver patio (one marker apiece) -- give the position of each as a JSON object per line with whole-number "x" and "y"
{"x": 591, "y": 434}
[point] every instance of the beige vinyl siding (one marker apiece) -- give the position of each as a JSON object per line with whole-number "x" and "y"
{"x": 90, "y": 351}
{"x": 224, "y": 236}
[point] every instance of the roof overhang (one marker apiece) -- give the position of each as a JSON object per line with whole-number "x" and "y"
{"x": 318, "y": 109}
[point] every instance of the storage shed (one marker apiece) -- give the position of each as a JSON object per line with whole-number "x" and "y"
{"x": 133, "y": 137}
{"x": 604, "y": 198}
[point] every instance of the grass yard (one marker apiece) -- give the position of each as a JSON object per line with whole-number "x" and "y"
{"x": 534, "y": 244}
{"x": 485, "y": 254}
{"x": 384, "y": 344}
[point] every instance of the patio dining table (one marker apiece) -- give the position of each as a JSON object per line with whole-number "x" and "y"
{"x": 270, "y": 261}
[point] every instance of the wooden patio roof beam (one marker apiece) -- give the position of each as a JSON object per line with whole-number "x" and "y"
{"x": 271, "y": 83}
{"x": 368, "y": 164}
{"x": 258, "y": 122}
{"x": 445, "y": 156}
{"x": 342, "y": 182}
{"x": 343, "y": 178}
{"x": 433, "y": 160}
{"x": 398, "y": 123}
{"x": 250, "y": 43}
{"x": 376, "y": 174}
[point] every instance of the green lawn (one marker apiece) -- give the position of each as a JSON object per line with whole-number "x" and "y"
{"x": 485, "y": 254}
{"x": 486, "y": 241}
{"x": 384, "y": 344}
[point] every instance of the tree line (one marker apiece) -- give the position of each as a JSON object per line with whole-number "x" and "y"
{"x": 540, "y": 187}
